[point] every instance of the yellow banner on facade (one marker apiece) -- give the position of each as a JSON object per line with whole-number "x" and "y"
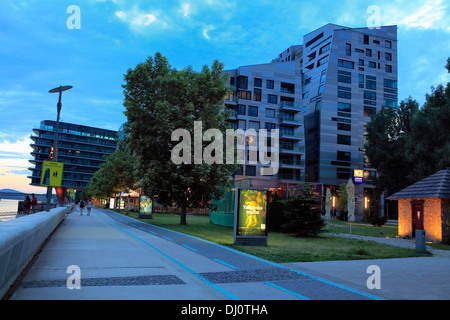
{"x": 52, "y": 173}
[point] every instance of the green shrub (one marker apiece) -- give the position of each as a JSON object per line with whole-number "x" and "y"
{"x": 302, "y": 214}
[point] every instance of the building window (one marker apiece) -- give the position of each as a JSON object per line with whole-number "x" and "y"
{"x": 307, "y": 81}
{"x": 270, "y": 126}
{"x": 344, "y": 92}
{"x": 242, "y": 124}
{"x": 344, "y": 126}
{"x": 345, "y": 64}
{"x": 348, "y": 49}
{"x": 241, "y": 94}
{"x": 370, "y": 95}
{"x": 325, "y": 48}
{"x": 241, "y": 109}
{"x": 390, "y": 83}
{"x": 252, "y": 111}
{"x": 322, "y": 61}
{"x": 371, "y": 84}
{"x": 345, "y": 79}
{"x": 320, "y": 90}
{"x": 242, "y": 82}
{"x": 322, "y": 78}
{"x": 368, "y": 111}
{"x": 361, "y": 80}
{"x": 344, "y": 107}
{"x": 258, "y": 82}
{"x": 305, "y": 95}
{"x": 368, "y": 52}
{"x": 343, "y": 156}
{"x": 270, "y": 113}
{"x": 388, "y": 44}
{"x": 271, "y": 98}
{"x": 390, "y": 103}
{"x": 388, "y": 68}
{"x": 388, "y": 56}
{"x": 372, "y": 64}
{"x": 366, "y": 39}
{"x": 270, "y": 84}
{"x": 360, "y": 62}
{"x": 343, "y": 139}
{"x": 250, "y": 170}
{"x": 343, "y": 173}
{"x": 256, "y": 94}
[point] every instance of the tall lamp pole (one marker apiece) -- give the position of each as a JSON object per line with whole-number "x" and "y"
{"x": 59, "y": 89}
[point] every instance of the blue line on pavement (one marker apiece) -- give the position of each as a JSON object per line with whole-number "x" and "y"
{"x": 178, "y": 263}
{"x": 167, "y": 238}
{"x": 286, "y": 290}
{"x": 224, "y": 263}
{"x": 185, "y": 245}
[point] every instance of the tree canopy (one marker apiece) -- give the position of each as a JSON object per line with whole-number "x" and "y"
{"x": 408, "y": 143}
{"x": 160, "y": 99}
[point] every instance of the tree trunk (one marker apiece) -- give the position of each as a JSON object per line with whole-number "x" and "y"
{"x": 183, "y": 216}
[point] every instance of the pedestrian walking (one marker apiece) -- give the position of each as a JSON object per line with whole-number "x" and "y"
{"x": 82, "y": 205}
{"x": 33, "y": 203}
{"x": 27, "y": 204}
{"x": 89, "y": 207}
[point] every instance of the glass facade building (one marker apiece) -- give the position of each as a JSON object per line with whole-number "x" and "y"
{"x": 321, "y": 95}
{"x": 82, "y": 149}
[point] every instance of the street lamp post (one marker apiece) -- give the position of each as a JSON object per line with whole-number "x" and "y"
{"x": 59, "y": 89}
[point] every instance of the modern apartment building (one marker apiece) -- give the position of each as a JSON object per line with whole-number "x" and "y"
{"x": 268, "y": 96}
{"x": 81, "y": 148}
{"x": 320, "y": 95}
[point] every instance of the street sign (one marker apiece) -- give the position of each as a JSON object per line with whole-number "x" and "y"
{"x": 358, "y": 176}
{"x": 52, "y": 173}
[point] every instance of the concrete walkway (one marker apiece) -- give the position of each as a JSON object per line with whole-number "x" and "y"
{"x": 120, "y": 258}
{"x": 422, "y": 278}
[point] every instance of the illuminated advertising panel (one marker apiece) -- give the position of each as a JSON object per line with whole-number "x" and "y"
{"x": 251, "y": 216}
{"x": 145, "y": 206}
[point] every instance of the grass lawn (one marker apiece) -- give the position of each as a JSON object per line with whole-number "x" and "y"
{"x": 361, "y": 229}
{"x": 282, "y": 247}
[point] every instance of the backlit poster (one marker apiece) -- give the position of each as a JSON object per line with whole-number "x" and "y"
{"x": 251, "y": 215}
{"x": 145, "y": 206}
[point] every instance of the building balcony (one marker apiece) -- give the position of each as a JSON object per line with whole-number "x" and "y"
{"x": 291, "y": 164}
{"x": 290, "y": 120}
{"x": 288, "y": 149}
{"x": 290, "y": 106}
{"x": 289, "y": 135}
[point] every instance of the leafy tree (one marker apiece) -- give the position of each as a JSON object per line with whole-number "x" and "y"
{"x": 387, "y": 135}
{"x": 117, "y": 174}
{"x": 408, "y": 144}
{"x": 160, "y": 99}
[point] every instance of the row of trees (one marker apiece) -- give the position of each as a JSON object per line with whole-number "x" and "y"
{"x": 408, "y": 143}
{"x": 160, "y": 99}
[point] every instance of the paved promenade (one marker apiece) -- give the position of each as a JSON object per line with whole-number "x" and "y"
{"x": 120, "y": 258}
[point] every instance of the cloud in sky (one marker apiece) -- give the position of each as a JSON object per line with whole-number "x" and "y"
{"x": 433, "y": 14}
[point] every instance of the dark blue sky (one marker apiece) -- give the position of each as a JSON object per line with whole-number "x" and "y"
{"x": 39, "y": 52}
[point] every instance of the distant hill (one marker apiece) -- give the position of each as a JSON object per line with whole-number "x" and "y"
{"x": 11, "y": 191}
